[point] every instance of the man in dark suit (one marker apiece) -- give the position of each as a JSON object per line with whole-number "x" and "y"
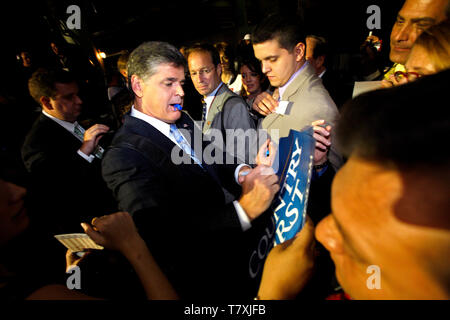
{"x": 179, "y": 206}
{"x": 62, "y": 157}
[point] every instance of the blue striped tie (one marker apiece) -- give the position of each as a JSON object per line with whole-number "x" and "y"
{"x": 183, "y": 143}
{"x": 203, "y": 113}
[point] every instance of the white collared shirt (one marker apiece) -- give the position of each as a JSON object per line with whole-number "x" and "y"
{"x": 322, "y": 73}
{"x": 164, "y": 128}
{"x": 69, "y": 126}
{"x": 210, "y": 97}
{"x": 282, "y": 89}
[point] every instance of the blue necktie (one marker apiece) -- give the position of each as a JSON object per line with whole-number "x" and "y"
{"x": 183, "y": 143}
{"x": 203, "y": 113}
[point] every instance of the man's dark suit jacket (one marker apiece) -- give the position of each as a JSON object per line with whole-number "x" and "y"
{"x": 68, "y": 189}
{"x": 180, "y": 211}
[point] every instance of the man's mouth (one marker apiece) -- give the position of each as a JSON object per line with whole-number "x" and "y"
{"x": 402, "y": 49}
{"x": 175, "y": 106}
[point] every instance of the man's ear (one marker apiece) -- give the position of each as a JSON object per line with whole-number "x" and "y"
{"x": 136, "y": 86}
{"x": 299, "y": 51}
{"x": 45, "y": 102}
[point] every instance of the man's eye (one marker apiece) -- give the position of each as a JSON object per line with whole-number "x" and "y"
{"x": 168, "y": 84}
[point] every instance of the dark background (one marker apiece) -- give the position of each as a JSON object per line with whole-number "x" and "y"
{"x": 114, "y": 26}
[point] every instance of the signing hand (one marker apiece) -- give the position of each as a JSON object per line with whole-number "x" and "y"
{"x": 258, "y": 190}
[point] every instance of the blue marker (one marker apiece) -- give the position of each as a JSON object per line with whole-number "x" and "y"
{"x": 178, "y": 106}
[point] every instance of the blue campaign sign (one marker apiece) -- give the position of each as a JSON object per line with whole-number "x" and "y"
{"x": 296, "y": 154}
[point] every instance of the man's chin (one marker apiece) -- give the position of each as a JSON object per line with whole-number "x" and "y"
{"x": 399, "y": 57}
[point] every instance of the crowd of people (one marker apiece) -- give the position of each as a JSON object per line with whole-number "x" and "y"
{"x": 144, "y": 181}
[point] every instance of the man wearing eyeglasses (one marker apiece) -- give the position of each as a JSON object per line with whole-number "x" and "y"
{"x": 222, "y": 109}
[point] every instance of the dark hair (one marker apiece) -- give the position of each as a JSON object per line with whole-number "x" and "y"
{"x": 42, "y": 82}
{"x": 288, "y": 30}
{"x": 205, "y": 47}
{"x": 407, "y": 125}
{"x": 255, "y": 66}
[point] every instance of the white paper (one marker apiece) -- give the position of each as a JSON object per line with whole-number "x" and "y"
{"x": 76, "y": 242}
{"x": 282, "y": 107}
{"x": 365, "y": 86}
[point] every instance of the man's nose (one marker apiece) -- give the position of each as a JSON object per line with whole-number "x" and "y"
{"x": 265, "y": 67}
{"x": 180, "y": 91}
{"x": 403, "y": 32}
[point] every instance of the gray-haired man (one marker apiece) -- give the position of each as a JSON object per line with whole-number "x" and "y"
{"x": 179, "y": 209}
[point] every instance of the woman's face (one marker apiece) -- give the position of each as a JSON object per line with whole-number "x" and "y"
{"x": 250, "y": 80}
{"x": 419, "y": 61}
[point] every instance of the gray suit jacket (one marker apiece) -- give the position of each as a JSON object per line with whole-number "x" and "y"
{"x": 309, "y": 101}
{"x": 230, "y": 111}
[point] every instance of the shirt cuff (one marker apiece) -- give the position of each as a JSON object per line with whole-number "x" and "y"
{"x": 236, "y": 172}
{"x": 88, "y": 158}
{"x": 243, "y": 218}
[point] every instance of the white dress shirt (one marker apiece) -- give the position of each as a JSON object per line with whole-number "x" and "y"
{"x": 210, "y": 98}
{"x": 69, "y": 126}
{"x": 164, "y": 128}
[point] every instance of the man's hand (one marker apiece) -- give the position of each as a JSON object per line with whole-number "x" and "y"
{"x": 116, "y": 231}
{"x": 266, "y": 154}
{"x": 323, "y": 141}
{"x": 264, "y": 103}
{"x": 91, "y": 138}
{"x": 258, "y": 190}
{"x": 289, "y": 266}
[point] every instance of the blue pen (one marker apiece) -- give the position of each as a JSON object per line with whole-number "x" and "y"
{"x": 178, "y": 106}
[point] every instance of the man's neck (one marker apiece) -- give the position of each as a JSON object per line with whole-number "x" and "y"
{"x": 214, "y": 92}
{"x": 52, "y": 115}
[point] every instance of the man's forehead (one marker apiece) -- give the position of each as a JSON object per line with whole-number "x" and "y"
{"x": 200, "y": 56}
{"x": 169, "y": 70}
{"x": 267, "y": 48}
{"x": 422, "y": 9}
{"x": 63, "y": 88}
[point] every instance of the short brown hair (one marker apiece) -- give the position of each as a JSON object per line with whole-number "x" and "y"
{"x": 42, "y": 82}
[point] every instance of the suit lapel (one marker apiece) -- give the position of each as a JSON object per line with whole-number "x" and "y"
{"x": 216, "y": 106}
{"x": 293, "y": 88}
{"x": 62, "y": 136}
{"x": 299, "y": 82}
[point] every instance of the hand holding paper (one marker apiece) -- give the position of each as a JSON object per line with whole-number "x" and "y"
{"x": 289, "y": 266}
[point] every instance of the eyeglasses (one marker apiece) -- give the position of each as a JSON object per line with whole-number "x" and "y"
{"x": 201, "y": 72}
{"x": 409, "y": 76}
